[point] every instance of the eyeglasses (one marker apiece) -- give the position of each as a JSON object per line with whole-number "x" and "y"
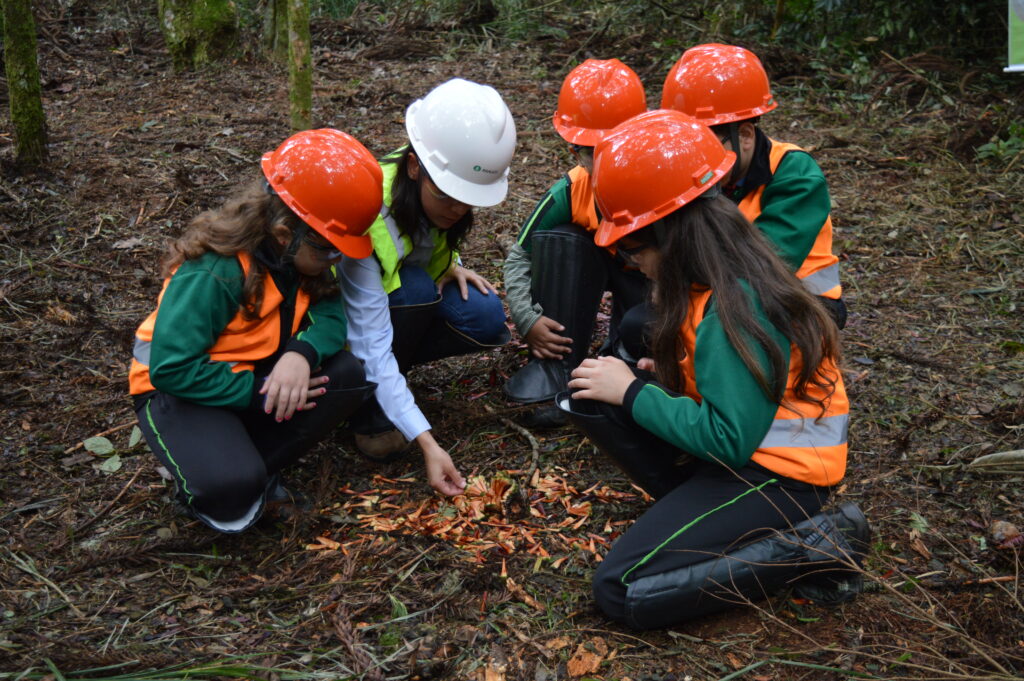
{"x": 631, "y": 252}
{"x": 323, "y": 251}
{"x": 581, "y": 152}
{"x": 439, "y": 195}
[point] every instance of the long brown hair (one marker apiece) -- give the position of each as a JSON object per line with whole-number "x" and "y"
{"x": 710, "y": 243}
{"x": 242, "y": 224}
{"x": 406, "y": 207}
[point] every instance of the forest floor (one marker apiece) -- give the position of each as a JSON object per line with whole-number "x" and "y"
{"x": 382, "y": 579}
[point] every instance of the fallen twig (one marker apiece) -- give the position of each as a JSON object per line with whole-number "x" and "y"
{"x": 27, "y": 567}
{"x": 106, "y": 509}
{"x": 534, "y": 446}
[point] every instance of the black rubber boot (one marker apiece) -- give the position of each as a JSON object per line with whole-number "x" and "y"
{"x": 543, "y": 417}
{"x": 840, "y": 583}
{"x": 444, "y": 340}
{"x": 409, "y": 325}
{"x": 568, "y": 279}
{"x": 649, "y": 461}
{"x": 828, "y": 541}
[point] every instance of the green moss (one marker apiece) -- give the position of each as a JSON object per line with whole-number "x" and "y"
{"x": 198, "y": 32}
{"x": 22, "y": 70}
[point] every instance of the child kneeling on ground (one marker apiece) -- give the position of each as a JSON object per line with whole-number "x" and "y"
{"x": 739, "y": 433}
{"x": 249, "y": 331}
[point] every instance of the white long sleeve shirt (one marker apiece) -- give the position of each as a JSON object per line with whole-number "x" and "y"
{"x": 370, "y": 335}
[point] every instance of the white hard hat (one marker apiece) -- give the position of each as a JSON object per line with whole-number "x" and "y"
{"x": 464, "y": 137}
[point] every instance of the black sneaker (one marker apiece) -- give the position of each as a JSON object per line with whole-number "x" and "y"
{"x": 284, "y": 503}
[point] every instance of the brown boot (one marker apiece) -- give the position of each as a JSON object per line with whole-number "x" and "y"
{"x": 383, "y": 447}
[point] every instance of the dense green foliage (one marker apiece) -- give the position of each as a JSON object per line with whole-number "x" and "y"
{"x": 969, "y": 31}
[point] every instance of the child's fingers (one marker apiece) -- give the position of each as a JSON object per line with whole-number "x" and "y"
{"x": 318, "y": 380}
{"x": 291, "y": 400}
{"x": 270, "y": 389}
{"x": 484, "y": 286}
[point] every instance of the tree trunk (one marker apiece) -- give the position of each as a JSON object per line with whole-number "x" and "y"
{"x": 275, "y": 30}
{"x": 198, "y": 32}
{"x": 780, "y": 12}
{"x": 24, "y": 92}
{"x": 300, "y": 70}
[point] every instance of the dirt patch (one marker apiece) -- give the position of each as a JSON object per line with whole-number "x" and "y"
{"x": 99, "y": 569}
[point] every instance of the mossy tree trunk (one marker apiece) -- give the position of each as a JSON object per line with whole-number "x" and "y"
{"x": 300, "y": 69}
{"x": 23, "y": 89}
{"x": 198, "y": 32}
{"x": 275, "y": 30}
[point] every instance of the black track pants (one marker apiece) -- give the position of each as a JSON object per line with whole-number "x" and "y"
{"x": 223, "y": 460}
{"x": 712, "y": 511}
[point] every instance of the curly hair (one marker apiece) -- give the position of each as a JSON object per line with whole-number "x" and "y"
{"x": 240, "y": 225}
{"x": 710, "y": 243}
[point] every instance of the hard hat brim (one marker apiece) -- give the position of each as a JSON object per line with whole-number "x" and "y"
{"x": 469, "y": 193}
{"x": 353, "y": 246}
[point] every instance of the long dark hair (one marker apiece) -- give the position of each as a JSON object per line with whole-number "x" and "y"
{"x": 710, "y": 243}
{"x": 242, "y": 224}
{"x": 407, "y": 208}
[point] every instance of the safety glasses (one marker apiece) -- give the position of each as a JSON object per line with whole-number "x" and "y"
{"x": 581, "y": 152}
{"x": 438, "y": 195}
{"x": 323, "y": 251}
{"x": 631, "y": 249}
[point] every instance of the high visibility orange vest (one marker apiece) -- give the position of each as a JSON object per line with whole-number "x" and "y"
{"x": 242, "y": 343}
{"x": 584, "y": 213}
{"x": 819, "y": 272}
{"x": 798, "y": 445}
{"x": 584, "y": 210}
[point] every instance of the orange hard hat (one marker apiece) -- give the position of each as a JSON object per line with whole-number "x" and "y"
{"x": 332, "y": 182}
{"x": 650, "y": 166}
{"x": 718, "y": 84}
{"x": 596, "y": 96}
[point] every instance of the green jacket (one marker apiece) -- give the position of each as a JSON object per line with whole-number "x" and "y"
{"x": 733, "y": 414}
{"x": 201, "y": 298}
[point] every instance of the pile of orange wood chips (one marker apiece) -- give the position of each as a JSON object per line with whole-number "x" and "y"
{"x": 552, "y": 519}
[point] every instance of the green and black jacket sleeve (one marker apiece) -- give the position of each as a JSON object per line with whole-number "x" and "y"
{"x": 200, "y": 300}
{"x": 794, "y": 207}
{"x": 733, "y": 415}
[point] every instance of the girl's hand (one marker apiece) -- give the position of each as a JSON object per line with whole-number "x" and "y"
{"x": 289, "y": 388}
{"x": 544, "y": 342}
{"x": 442, "y": 474}
{"x": 604, "y": 379}
{"x": 465, "y": 277}
{"x": 645, "y": 364}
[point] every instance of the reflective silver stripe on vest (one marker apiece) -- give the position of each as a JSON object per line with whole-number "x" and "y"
{"x": 141, "y": 351}
{"x": 829, "y": 431}
{"x": 143, "y": 348}
{"x": 822, "y": 281}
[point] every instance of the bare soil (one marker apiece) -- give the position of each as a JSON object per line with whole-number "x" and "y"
{"x": 99, "y": 570}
